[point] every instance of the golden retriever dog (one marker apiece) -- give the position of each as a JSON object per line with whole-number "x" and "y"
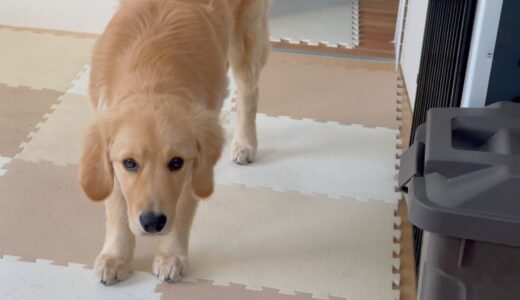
{"x": 158, "y": 81}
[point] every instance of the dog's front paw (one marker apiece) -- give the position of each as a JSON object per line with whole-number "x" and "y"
{"x": 169, "y": 268}
{"x": 110, "y": 269}
{"x": 242, "y": 154}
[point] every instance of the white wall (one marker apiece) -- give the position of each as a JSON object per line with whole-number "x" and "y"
{"x": 412, "y": 44}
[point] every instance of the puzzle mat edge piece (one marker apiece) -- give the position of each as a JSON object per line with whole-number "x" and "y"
{"x": 70, "y": 90}
{"x": 43, "y": 118}
{"x": 353, "y": 124}
{"x": 141, "y": 283}
{"x": 26, "y": 87}
{"x": 326, "y": 61}
{"x": 328, "y": 44}
{"x": 396, "y": 253}
{"x": 43, "y": 142}
{"x": 304, "y": 194}
{"x": 309, "y": 43}
{"x": 297, "y": 294}
{"x": 35, "y": 131}
{"x": 271, "y": 293}
{"x": 400, "y": 90}
{"x": 157, "y": 288}
{"x": 76, "y": 84}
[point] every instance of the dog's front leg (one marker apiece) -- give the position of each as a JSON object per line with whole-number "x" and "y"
{"x": 113, "y": 263}
{"x": 171, "y": 260}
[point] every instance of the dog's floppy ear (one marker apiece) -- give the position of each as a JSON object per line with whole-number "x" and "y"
{"x": 95, "y": 170}
{"x": 210, "y": 140}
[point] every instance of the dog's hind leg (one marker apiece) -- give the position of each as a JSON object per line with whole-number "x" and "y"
{"x": 247, "y": 55}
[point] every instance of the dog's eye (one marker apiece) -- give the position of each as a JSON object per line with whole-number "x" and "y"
{"x": 175, "y": 164}
{"x": 130, "y": 165}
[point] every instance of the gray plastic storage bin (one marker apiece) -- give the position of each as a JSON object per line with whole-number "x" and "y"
{"x": 462, "y": 175}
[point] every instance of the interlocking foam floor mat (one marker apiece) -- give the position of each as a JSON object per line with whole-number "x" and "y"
{"x": 330, "y": 22}
{"x": 41, "y": 61}
{"x": 313, "y": 218}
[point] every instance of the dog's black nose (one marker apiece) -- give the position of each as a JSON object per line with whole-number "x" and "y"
{"x": 152, "y": 222}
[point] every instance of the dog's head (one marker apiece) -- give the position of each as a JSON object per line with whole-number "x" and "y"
{"x": 153, "y": 151}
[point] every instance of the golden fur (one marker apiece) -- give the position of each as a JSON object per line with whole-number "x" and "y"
{"x": 157, "y": 85}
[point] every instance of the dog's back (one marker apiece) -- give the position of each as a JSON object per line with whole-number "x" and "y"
{"x": 164, "y": 46}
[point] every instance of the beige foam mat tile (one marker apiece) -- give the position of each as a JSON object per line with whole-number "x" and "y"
{"x": 255, "y": 237}
{"x": 20, "y": 110}
{"x": 60, "y": 137}
{"x": 41, "y": 60}
{"x": 206, "y": 290}
{"x": 291, "y": 242}
{"x": 45, "y": 215}
{"x": 329, "y": 89}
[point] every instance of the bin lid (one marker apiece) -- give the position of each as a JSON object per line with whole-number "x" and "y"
{"x": 463, "y": 173}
